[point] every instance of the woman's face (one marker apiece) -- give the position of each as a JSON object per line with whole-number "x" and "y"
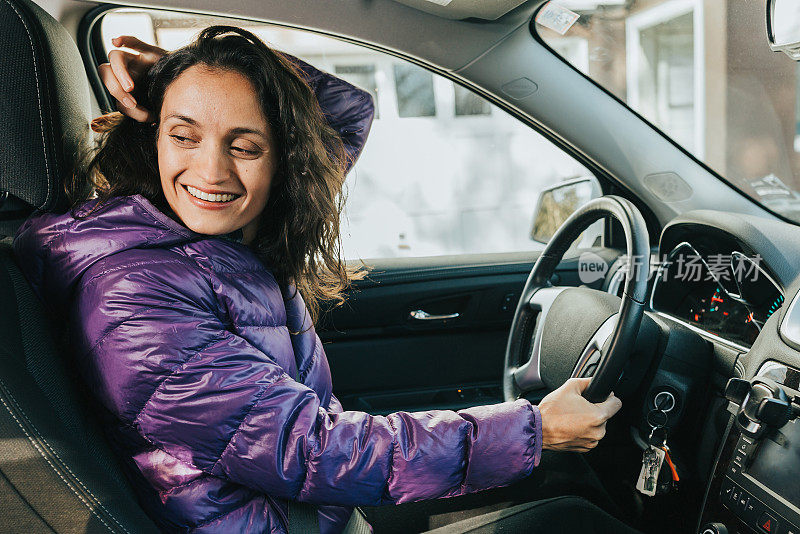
{"x": 216, "y": 156}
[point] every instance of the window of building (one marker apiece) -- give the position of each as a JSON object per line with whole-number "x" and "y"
{"x": 414, "y": 87}
{"x": 468, "y": 103}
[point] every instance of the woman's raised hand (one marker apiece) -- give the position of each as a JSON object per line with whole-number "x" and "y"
{"x": 570, "y": 422}
{"x": 122, "y": 70}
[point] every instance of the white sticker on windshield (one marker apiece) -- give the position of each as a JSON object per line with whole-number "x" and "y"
{"x": 556, "y": 17}
{"x": 440, "y": 2}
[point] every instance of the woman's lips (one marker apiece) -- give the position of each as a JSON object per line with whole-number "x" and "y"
{"x": 208, "y": 204}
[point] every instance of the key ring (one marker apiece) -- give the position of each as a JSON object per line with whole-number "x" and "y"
{"x": 654, "y": 423}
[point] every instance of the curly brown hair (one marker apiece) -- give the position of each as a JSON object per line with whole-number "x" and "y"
{"x": 298, "y": 232}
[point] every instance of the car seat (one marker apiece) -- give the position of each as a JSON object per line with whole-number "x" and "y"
{"x": 56, "y": 471}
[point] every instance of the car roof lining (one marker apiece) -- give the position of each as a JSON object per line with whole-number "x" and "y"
{"x": 429, "y": 38}
{"x": 464, "y": 9}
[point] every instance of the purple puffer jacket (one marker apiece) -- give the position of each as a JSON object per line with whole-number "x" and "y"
{"x": 219, "y": 410}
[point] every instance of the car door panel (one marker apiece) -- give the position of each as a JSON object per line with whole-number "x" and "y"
{"x": 384, "y": 360}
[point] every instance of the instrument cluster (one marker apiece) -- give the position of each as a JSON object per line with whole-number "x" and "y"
{"x": 728, "y": 295}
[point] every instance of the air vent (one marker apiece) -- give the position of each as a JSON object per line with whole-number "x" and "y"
{"x": 790, "y": 326}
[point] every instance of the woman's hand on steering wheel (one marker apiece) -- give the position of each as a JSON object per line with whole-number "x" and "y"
{"x": 122, "y": 70}
{"x": 572, "y": 423}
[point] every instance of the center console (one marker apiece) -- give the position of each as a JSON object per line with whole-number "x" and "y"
{"x": 756, "y": 483}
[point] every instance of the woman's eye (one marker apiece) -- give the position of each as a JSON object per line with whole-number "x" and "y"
{"x": 244, "y": 151}
{"x": 180, "y": 138}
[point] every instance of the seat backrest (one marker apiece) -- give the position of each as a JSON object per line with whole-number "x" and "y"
{"x": 56, "y": 471}
{"x": 57, "y": 474}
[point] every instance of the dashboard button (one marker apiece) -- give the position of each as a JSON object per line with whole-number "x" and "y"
{"x": 750, "y": 510}
{"x": 767, "y": 523}
{"x": 725, "y": 490}
{"x": 745, "y": 446}
{"x": 744, "y": 500}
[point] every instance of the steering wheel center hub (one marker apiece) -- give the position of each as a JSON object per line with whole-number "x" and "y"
{"x": 573, "y": 321}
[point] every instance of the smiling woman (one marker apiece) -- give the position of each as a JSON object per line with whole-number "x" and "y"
{"x": 215, "y": 152}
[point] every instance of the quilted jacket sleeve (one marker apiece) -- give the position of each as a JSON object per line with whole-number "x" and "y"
{"x": 167, "y": 365}
{"x": 348, "y": 109}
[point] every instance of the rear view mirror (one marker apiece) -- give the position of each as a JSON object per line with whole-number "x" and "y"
{"x": 783, "y": 27}
{"x": 556, "y": 203}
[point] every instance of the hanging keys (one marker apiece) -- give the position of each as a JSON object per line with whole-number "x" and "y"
{"x": 652, "y": 459}
{"x": 654, "y": 454}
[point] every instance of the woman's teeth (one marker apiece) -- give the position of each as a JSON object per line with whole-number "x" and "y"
{"x": 210, "y": 198}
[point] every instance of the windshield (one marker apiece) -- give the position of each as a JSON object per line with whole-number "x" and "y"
{"x": 700, "y": 71}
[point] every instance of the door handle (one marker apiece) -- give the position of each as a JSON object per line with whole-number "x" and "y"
{"x": 422, "y": 315}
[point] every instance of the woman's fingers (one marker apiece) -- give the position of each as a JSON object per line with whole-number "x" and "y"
{"x": 150, "y": 52}
{"x": 119, "y": 65}
{"x": 111, "y": 82}
{"x": 610, "y": 406}
{"x": 125, "y": 102}
{"x": 123, "y": 68}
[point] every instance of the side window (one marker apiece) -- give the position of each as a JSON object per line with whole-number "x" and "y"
{"x": 444, "y": 171}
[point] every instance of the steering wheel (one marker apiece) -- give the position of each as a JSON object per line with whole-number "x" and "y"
{"x": 560, "y": 332}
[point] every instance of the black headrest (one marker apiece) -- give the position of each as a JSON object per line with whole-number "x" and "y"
{"x": 45, "y": 109}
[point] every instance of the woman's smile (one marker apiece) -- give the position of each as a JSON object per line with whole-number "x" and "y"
{"x": 210, "y": 200}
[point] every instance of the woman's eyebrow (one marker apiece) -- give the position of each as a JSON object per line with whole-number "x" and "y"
{"x": 243, "y": 130}
{"x": 235, "y": 131}
{"x": 181, "y": 117}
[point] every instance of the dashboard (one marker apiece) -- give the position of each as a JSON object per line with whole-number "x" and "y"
{"x": 735, "y": 279}
{"x": 716, "y": 288}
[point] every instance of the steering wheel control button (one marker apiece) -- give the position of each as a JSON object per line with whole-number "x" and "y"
{"x": 767, "y": 523}
{"x": 509, "y": 303}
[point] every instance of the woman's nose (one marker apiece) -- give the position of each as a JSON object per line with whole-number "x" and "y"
{"x": 212, "y": 165}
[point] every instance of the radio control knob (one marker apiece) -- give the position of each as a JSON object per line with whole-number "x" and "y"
{"x": 714, "y": 528}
